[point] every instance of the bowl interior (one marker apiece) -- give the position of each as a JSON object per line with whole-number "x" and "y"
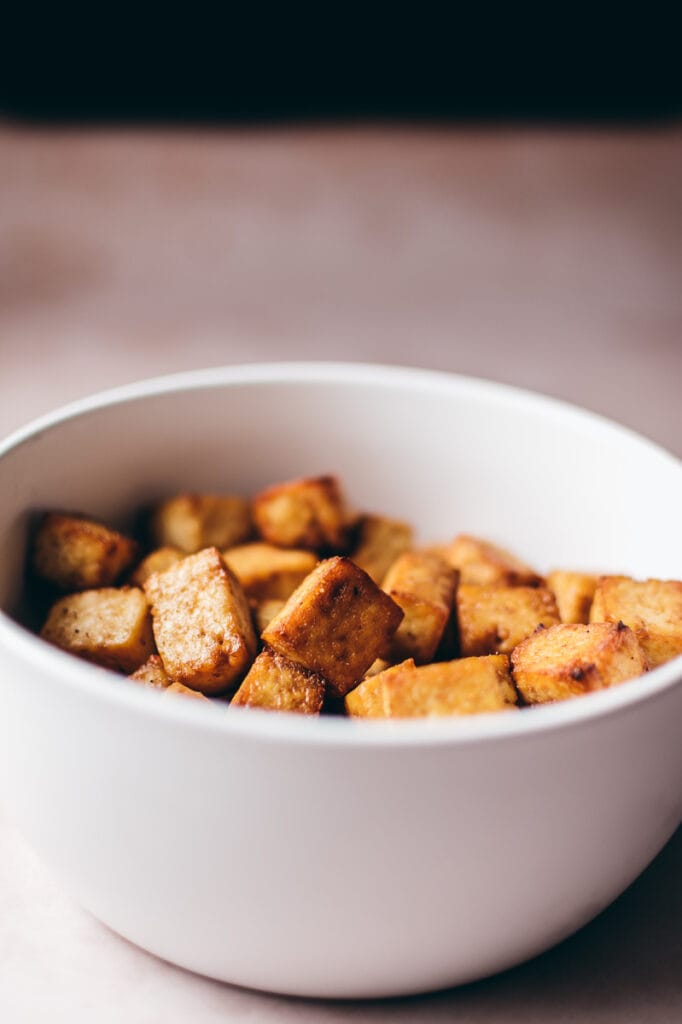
{"x": 561, "y": 487}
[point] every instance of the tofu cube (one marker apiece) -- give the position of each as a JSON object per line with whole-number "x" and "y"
{"x": 439, "y": 550}
{"x": 651, "y": 608}
{"x": 466, "y": 686}
{"x": 152, "y": 673}
{"x": 75, "y": 553}
{"x": 264, "y": 612}
{"x": 202, "y": 623}
{"x": 309, "y": 513}
{"x": 379, "y": 542}
{"x": 480, "y": 562}
{"x": 184, "y": 691}
{"x": 423, "y": 585}
{"x": 376, "y": 667}
{"x": 110, "y": 626}
{"x": 156, "y": 561}
{"x": 494, "y": 619}
{"x": 367, "y": 699}
{"x": 336, "y": 623}
{"x": 572, "y": 659}
{"x": 275, "y": 683}
{"x": 574, "y": 592}
{"x": 266, "y": 572}
{"x": 192, "y": 522}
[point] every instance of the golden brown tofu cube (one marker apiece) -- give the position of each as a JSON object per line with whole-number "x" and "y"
{"x": 202, "y": 622}
{"x": 367, "y": 699}
{"x": 264, "y": 612}
{"x": 572, "y": 659}
{"x": 110, "y": 626}
{"x": 156, "y": 561}
{"x": 380, "y": 541}
{"x": 184, "y": 691}
{"x": 480, "y": 562}
{"x": 652, "y": 608}
{"x": 493, "y": 620}
{"x": 192, "y": 522}
{"x": 80, "y": 554}
{"x": 275, "y": 683}
{"x": 308, "y": 514}
{"x": 335, "y": 624}
{"x": 266, "y": 572}
{"x": 152, "y": 673}
{"x": 423, "y": 585}
{"x": 467, "y": 686}
{"x": 574, "y": 592}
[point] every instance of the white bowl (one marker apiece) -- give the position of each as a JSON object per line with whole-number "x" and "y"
{"x": 332, "y": 857}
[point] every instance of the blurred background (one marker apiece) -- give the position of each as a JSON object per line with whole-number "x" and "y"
{"x": 421, "y": 195}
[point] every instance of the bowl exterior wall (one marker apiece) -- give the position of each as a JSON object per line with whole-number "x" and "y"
{"x": 329, "y": 871}
{"x": 349, "y": 867}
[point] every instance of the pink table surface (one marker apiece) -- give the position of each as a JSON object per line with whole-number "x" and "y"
{"x": 548, "y": 260}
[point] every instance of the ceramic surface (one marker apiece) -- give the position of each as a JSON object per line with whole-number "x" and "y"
{"x": 330, "y": 857}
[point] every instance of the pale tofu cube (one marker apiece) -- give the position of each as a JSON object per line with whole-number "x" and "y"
{"x": 493, "y": 619}
{"x": 467, "y": 686}
{"x": 192, "y": 522}
{"x": 438, "y": 550}
{"x": 156, "y": 561}
{"x": 110, "y": 626}
{"x": 202, "y": 623}
{"x": 75, "y": 553}
{"x": 377, "y": 666}
{"x": 152, "y": 673}
{"x": 264, "y": 612}
{"x": 309, "y": 513}
{"x": 651, "y": 608}
{"x": 274, "y": 683}
{"x": 380, "y": 542}
{"x": 571, "y": 659}
{"x": 367, "y": 699}
{"x": 480, "y": 562}
{"x": 423, "y": 585}
{"x": 336, "y": 623}
{"x": 184, "y": 691}
{"x": 574, "y": 592}
{"x": 266, "y": 572}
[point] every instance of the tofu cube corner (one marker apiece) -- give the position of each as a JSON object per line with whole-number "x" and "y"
{"x": 572, "y": 658}
{"x": 494, "y": 619}
{"x": 479, "y": 561}
{"x": 424, "y": 586}
{"x": 308, "y": 513}
{"x": 335, "y": 624}
{"x": 651, "y": 608}
{"x": 275, "y": 683}
{"x": 574, "y": 592}
{"x": 75, "y": 553}
{"x": 380, "y": 541}
{"x": 151, "y": 673}
{"x": 192, "y": 522}
{"x": 202, "y": 623}
{"x": 109, "y": 626}
{"x": 267, "y": 572}
{"x": 156, "y": 561}
{"x": 465, "y": 686}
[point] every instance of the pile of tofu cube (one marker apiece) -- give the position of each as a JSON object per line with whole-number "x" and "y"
{"x": 290, "y": 601}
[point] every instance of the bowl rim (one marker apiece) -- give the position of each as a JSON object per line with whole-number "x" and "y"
{"x": 334, "y": 731}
